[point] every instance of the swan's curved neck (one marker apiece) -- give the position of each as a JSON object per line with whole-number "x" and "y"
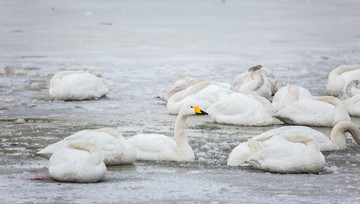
{"x": 338, "y": 134}
{"x": 182, "y": 145}
{"x": 256, "y": 82}
{"x": 345, "y": 68}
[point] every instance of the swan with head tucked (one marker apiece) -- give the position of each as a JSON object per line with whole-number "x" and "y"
{"x": 116, "y": 148}
{"x": 257, "y": 81}
{"x": 78, "y": 162}
{"x": 242, "y": 152}
{"x": 76, "y": 85}
{"x": 340, "y": 77}
{"x": 287, "y": 95}
{"x": 314, "y": 111}
{"x": 243, "y": 109}
{"x": 352, "y": 105}
{"x": 179, "y": 86}
{"x": 161, "y": 147}
{"x": 289, "y": 154}
{"x": 351, "y": 98}
{"x": 351, "y": 89}
{"x": 205, "y": 93}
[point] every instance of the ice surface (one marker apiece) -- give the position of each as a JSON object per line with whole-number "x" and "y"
{"x": 140, "y": 48}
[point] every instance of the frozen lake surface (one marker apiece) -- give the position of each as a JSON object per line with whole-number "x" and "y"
{"x": 141, "y": 48}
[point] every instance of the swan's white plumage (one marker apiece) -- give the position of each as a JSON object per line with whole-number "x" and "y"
{"x": 288, "y": 95}
{"x": 179, "y": 86}
{"x": 290, "y": 154}
{"x": 241, "y": 152}
{"x": 205, "y": 93}
{"x": 161, "y": 147}
{"x": 339, "y": 78}
{"x": 315, "y": 111}
{"x": 243, "y": 109}
{"x": 117, "y": 150}
{"x": 76, "y": 85}
{"x": 352, "y": 105}
{"x": 78, "y": 162}
{"x": 257, "y": 81}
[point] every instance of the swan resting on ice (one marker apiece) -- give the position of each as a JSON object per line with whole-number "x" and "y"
{"x": 242, "y": 152}
{"x": 205, "y": 93}
{"x": 289, "y": 154}
{"x": 161, "y": 147}
{"x": 339, "y": 78}
{"x": 243, "y": 109}
{"x": 314, "y": 111}
{"x": 256, "y": 81}
{"x": 76, "y": 85}
{"x": 287, "y": 95}
{"x": 78, "y": 162}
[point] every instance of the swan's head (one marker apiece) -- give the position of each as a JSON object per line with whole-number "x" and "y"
{"x": 188, "y": 110}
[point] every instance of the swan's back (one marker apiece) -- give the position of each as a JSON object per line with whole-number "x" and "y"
{"x": 288, "y": 95}
{"x": 78, "y": 162}
{"x": 308, "y": 112}
{"x": 179, "y": 86}
{"x": 285, "y": 155}
{"x": 77, "y": 85}
{"x": 242, "y": 109}
{"x": 154, "y": 147}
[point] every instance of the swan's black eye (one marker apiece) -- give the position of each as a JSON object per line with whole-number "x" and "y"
{"x": 191, "y": 106}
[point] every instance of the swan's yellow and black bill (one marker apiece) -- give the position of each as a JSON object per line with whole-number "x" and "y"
{"x": 198, "y": 111}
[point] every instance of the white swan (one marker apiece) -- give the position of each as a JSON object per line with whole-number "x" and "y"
{"x": 117, "y": 150}
{"x": 289, "y": 154}
{"x": 79, "y": 162}
{"x": 242, "y": 152}
{"x": 205, "y": 93}
{"x": 243, "y": 109}
{"x": 76, "y": 85}
{"x": 352, "y": 105}
{"x": 315, "y": 111}
{"x": 161, "y": 147}
{"x": 351, "y": 89}
{"x": 257, "y": 81}
{"x": 179, "y": 86}
{"x": 288, "y": 95}
{"x": 340, "y": 76}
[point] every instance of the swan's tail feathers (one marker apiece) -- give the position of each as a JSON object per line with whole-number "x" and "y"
{"x": 45, "y": 155}
{"x": 49, "y": 150}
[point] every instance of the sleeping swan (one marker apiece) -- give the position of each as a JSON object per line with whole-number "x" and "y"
{"x": 288, "y": 95}
{"x": 340, "y": 77}
{"x": 314, "y": 111}
{"x": 289, "y": 154}
{"x": 78, "y": 162}
{"x": 161, "y": 147}
{"x": 243, "y": 109}
{"x": 257, "y": 81}
{"x": 205, "y": 93}
{"x": 117, "y": 150}
{"x": 179, "y": 86}
{"x": 242, "y": 152}
{"x": 76, "y": 85}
